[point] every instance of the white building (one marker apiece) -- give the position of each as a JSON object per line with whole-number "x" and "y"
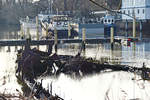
{"x": 141, "y": 9}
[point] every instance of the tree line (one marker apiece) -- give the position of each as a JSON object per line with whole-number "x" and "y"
{"x": 11, "y": 12}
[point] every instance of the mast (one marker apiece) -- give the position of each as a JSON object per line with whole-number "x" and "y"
{"x": 106, "y": 4}
{"x": 50, "y": 7}
{"x": 65, "y": 5}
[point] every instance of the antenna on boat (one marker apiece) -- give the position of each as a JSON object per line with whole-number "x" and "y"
{"x": 51, "y": 6}
{"x": 50, "y": 2}
{"x": 57, "y": 11}
{"x": 106, "y": 4}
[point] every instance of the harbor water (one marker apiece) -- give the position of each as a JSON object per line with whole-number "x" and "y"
{"x": 102, "y": 86}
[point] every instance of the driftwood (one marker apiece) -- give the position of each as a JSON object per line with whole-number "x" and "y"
{"x": 33, "y": 63}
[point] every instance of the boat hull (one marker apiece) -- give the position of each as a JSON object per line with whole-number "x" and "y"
{"x": 92, "y": 30}
{"x": 62, "y": 34}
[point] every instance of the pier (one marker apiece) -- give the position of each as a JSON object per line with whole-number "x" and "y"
{"x": 60, "y": 41}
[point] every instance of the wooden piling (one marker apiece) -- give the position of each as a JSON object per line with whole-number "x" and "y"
{"x": 56, "y": 39}
{"x": 46, "y": 31}
{"x": 134, "y": 27}
{"x": 28, "y": 33}
{"x": 83, "y": 38}
{"x": 46, "y": 35}
{"x": 37, "y": 30}
{"x": 22, "y": 32}
{"x": 8, "y": 49}
{"x": 112, "y": 36}
{"x": 69, "y": 30}
{"x": 51, "y": 87}
{"x": 9, "y": 46}
{"x": 134, "y": 49}
{"x": 126, "y": 28}
{"x": 28, "y": 29}
{"x": 140, "y": 30}
{"x": 83, "y": 35}
{"x": 16, "y": 33}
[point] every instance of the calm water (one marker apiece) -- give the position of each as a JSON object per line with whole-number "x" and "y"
{"x": 105, "y": 86}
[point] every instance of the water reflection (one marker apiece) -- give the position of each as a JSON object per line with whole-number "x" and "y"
{"x": 119, "y": 54}
{"x": 8, "y": 82}
{"x": 93, "y": 87}
{"x": 116, "y": 53}
{"x": 9, "y": 32}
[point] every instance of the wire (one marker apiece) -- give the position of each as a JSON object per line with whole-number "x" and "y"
{"x": 120, "y": 3}
{"x": 101, "y": 6}
{"x": 116, "y": 12}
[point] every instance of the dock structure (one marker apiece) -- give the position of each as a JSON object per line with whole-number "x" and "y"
{"x": 22, "y": 42}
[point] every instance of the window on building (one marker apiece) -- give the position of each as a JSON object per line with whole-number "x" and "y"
{"x": 124, "y": 11}
{"x": 133, "y": 11}
{"x": 143, "y": 11}
{"x": 129, "y": 12}
{"x": 112, "y": 21}
{"x": 138, "y": 11}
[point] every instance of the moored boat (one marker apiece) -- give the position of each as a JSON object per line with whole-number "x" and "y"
{"x": 63, "y": 25}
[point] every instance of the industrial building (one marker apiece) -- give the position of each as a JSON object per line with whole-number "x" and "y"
{"x": 139, "y": 8}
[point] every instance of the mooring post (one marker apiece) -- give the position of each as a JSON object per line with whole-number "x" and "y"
{"x": 16, "y": 48}
{"x": 134, "y": 49}
{"x": 28, "y": 29}
{"x": 56, "y": 39}
{"x": 83, "y": 38}
{"x": 69, "y": 30}
{"x": 134, "y": 25}
{"x": 46, "y": 35}
{"x": 22, "y": 33}
{"x": 9, "y": 46}
{"x": 112, "y": 55}
{"x": 37, "y": 30}
{"x": 8, "y": 49}
{"x": 140, "y": 30}
{"x": 126, "y": 28}
{"x": 51, "y": 85}
{"x": 112, "y": 36}
{"x": 46, "y": 31}
{"x": 28, "y": 33}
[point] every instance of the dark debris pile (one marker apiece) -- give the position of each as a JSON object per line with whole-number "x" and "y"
{"x": 33, "y": 63}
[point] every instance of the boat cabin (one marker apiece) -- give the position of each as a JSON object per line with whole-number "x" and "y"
{"x": 108, "y": 19}
{"x": 59, "y": 22}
